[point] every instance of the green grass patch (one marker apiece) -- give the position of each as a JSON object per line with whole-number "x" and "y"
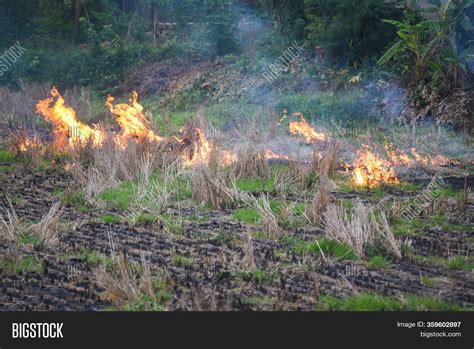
{"x": 378, "y": 262}
{"x": 256, "y": 275}
{"x": 6, "y": 169}
{"x": 6, "y": 156}
{"x": 28, "y": 239}
{"x": 93, "y": 257}
{"x": 330, "y": 248}
{"x": 247, "y": 215}
{"x": 461, "y": 263}
{"x": 260, "y": 235}
{"x": 408, "y": 228}
{"x": 255, "y": 185}
{"x": 183, "y": 261}
{"x": 22, "y": 265}
{"x": 197, "y": 218}
{"x": 145, "y": 302}
{"x": 374, "y": 302}
{"x": 111, "y": 219}
{"x": 119, "y": 197}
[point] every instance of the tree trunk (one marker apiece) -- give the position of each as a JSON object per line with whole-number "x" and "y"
{"x": 77, "y": 15}
{"x": 154, "y": 16}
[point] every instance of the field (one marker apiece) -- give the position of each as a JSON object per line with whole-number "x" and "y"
{"x": 301, "y": 155}
{"x": 258, "y": 218}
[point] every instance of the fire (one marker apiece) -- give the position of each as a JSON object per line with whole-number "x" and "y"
{"x": 133, "y": 123}
{"x": 371, "y": 171}
{"x": 304, "y": 129}
{"x": 27, "y": 143}
{"x": 199, "y": 151}
{"x": 269, "y": 154}
{"x": 399, "y": 158}
{"x": 227, "y": 157}
{"x": 67, "y": 129}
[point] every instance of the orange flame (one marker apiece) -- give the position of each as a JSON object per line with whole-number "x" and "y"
{"x": 400, "y": 158}
{"x": 67, "y": 129}
{"x": 228, "y": 157}
{"x": 304, "y": 129}
{"x": 269, "y": 154}
{"x": 28, "y": 143}
{"x": 371, "y": 171}
{"x": 133, "y": 123}
{"x": 199, "y": 152}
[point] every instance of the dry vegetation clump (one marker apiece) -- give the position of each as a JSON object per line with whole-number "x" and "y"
{"x": 214, "y": 188}
{"x": 251, "y": 162}
{"x": 359, "y": 228}
{"x": 125, "y": 281}
{"x": 298, "y": 171}
{"x": 110, "y": 164}
{"x": 287, "y": 212}
{"x": 24, "y": 146}
{"x": 325, "y": 163}
{"x": 50, "y": 226}
{"x": 249, "y": 256}
{"x": 47, "y": 230}
{"x": 269, "y": 222}
{"x": 314, "y": 211}
{"x": 11, "y": 227}
{"x": 18, "y": 107}
{"x": 153, "y": 196}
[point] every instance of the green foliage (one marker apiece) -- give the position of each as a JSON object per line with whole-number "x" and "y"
{"x": 374, "y": 302}
{"x": 119, "y": 197}
{"x": 145, "y": 302}
{"x": 247, "y": 215}
{"x": 111, "y": 219}
{"x": 431, "y": 45}
{"x": 378, "y": 262}
{"x": 6, "y": 156}
{"x": 256, "y": 185}
{"x": 21, "y": 265}
{"x": 349, "y": 34}
{"x": 330, "y": 248}
{"x": 93, "y": 257}
{"x": 461, "y": 263}
{"x": 183, "y": 261}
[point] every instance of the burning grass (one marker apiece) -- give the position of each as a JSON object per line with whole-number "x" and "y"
{"x": 304, "y": 129}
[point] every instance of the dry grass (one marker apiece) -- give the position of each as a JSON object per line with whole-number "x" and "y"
{"x": 153, "y": 196}
{"x": 325, "y": 163}
{"x": 35, "y": 151}
{"x": 18, "y": 107}
{"x": 11, "y": 227}
{"x": 213, "y": 188}
{"x": 298, "y": 170}
{"x": 251, "y": 162}
{"x": 287, "y": 212}
{"x": 49, "y": 228}
{"x": 125, "y": 280}
{"x": 359, "y": 228}
{"x": 249, "y": 257}
{"x": 355, "y": 232}
{"x": 314, "y": 211}
{"x": 110, "y": 165}
{"x": 268, "y": 219}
